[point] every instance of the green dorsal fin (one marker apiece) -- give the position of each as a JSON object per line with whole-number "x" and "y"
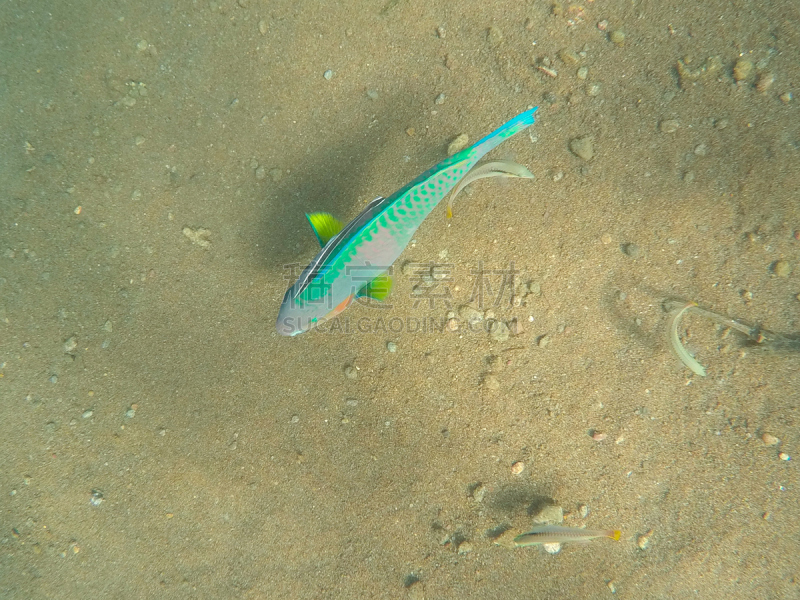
{"x": 377, "y": 289}
{"x": 325, "y": 226}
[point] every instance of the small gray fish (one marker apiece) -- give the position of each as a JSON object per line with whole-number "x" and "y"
{"x": 556, "y": 534}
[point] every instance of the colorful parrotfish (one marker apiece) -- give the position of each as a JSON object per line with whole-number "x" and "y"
{"x": 355, "y": 258}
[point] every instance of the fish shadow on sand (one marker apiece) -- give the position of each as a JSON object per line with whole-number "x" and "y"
{"x": 332, "y": 179}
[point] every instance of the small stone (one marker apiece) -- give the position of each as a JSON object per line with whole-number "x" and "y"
{"x": 764, "y": 82}
{"x": 517, "y": 468}
{"x": 439, "y": 99}
{"x": 643, "y": 541}
{"x": 784, "y": 456}
{"x": 87, "y": 414}
{"x": 582, "y": 73}
{"x": 139, "y": 140}
{"x": 552, "y": 548}
{"x": 96, "y": 499}
{"x": 351, "y": 372}
{"x": 261, "y": 173}
{"x": 612, "y": 587}
{"x": 568, "y": 57}
{"x": 583, "y": 511}
{"x": 632, "y": 250}
{"x": 701, "y": 150}
{"x": 136, "y": 194}
{"x": 295, "y": 419}
{"x": 391, "y": 346}
{"x": 478, "y": 492}
{"x": 130, "y": 413}
{"x": 372, "y": 94}
{"x": 499, "y": 331}
{"x": 742, "y": 69}
{"x": 458, "y": 144}
{"x": 198, "y": 236}
{"x": 276, "y": 175}
{"x": 688, "y": 177}
{"x": 669, "y": 126}
{"x": 469, "y": 314}
{"x": 617, "y": 38}
{"x": 465, "y": 547}
{"x": 494, "y": 37}
{"x": 263, "y": 27}
{"x": 769, "y": 439}
{"x": 781, "y": 268}
{"x": 550, "y": 514}
{"x": 328, "y": 74}
{"x": 70, "y": 345}
{"x": 543, "y": 340}
{"x": 490, "y": 382}
{"x": 452, "y": 325}
{"x": 441, "y": 32}
{"x": 606, "y": 238}
{"x": 582, "y": 147}
{"x": 599, "y": 437}
{"x": 786, "y": 97}
{"x": 593, "y": 89}
{"x": 142, "y": 45}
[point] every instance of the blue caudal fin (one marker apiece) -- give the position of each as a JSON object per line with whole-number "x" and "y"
{"x": 505, "y": 131}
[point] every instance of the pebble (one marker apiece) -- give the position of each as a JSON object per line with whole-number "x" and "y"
{"x": 786, "y": 97}
{"x": 87, "y": 414}
{"x": 764, "y": 82}
{"x": 391, "y": 346}
{"x": 465, "y": 547}
{"x": 583, "y": 511}
{"x": 70, "y": 344}
{"x": 499, "y": 331}
{"x": 276, "y": 175}
{"x": 769, "y": 439}
{"x": 439, "y": 99}
{"x": 617, "y": 38}
{"x": 582, "y": 147}
{"x": 742, "y": 69}
{"x": 458, "y": 144}
{"x": 469, "y": 314}
{"x": 643, "y": 541}
{"x": 328, "y": 74}
{"x": 372, "y": 94}
{"x": 784, "y": 456}
{"x": 490, "y": 382}
{"x": 517, "y": 468}
{"x": 553, "y": 548}
{"x": 351, "y": 372}
{"x": 782, "y": 268}
{"x": 494, "y": 37}
{"x": 263, "y": 27}
{"x": 551, "y": 514}
{"x": 669, "y": 126}
{"x": 96, "y": 499}
{"x": 599, "y": 437}
{"x": 142, "y": 45}
{"x": 543, "y": 340}
{"x": 632, "y": 250}
{"x": 131, "y": 412}
{"x": 478, "y": 492}
{"x": 452, "y": 325}
{"x": 593, "y": 89}
{"x": 261, "y": 173}
{"x": 701, "y": 150}
{"x": 583, "y": 73}
{"x": 295, "y": 419}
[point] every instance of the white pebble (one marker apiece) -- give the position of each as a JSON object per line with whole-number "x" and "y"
{"x": 328, "y": 74}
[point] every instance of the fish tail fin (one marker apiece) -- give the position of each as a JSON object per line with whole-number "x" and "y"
{"x": 505, "y": 131}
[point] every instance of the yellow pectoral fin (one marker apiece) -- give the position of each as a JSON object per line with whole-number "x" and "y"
{"x": 378, "y": 288}
{"x": 325, "y": 226}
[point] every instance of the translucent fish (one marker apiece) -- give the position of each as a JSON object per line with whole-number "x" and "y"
{"x": 498, "y": 168}
{"x": 557, "y": 534}
{"x": 686, "y": 358}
